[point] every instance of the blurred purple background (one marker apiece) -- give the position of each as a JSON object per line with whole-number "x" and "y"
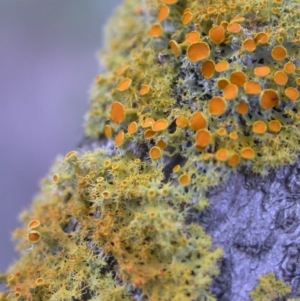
{"x": 47, "y": 64}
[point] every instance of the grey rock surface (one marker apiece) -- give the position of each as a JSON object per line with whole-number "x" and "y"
{"x": 256, "y": 221}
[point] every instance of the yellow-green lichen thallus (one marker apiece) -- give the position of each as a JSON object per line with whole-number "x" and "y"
{"x": 203, "y": 88}
{"x": 223, "y": 75}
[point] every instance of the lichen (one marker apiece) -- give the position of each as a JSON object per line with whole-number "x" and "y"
{"x": 236, "y": 63}
{"x": 193, "y": 91}
{"x": 96, "y": 207}
{"x": 269, "y": 289}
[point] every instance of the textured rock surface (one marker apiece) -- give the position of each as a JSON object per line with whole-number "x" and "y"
{"x": 257, "y": 222}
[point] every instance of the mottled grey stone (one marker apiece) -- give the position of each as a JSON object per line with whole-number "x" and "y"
{"x": 256, "y": 220}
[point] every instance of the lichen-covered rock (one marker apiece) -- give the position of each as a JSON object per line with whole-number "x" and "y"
{"x": 196, "y": 96}
{"x": 214, "y": 81}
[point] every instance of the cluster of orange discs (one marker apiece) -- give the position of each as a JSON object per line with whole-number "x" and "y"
{"x": 235, "y": 84}
{"x": 239, "y": 87}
